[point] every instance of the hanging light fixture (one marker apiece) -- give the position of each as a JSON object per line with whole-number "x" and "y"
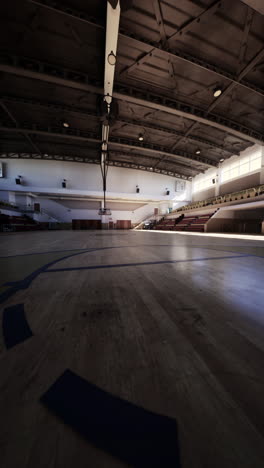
{"x": 198, "y": 151}
{"x": 217, "y": 92}
{"x": 140, "y": 137}
{"x": 65, "y": 124}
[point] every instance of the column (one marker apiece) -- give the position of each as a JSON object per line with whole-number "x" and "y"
{"x": 262, "y": 167}
{"x": 105, "y": 224}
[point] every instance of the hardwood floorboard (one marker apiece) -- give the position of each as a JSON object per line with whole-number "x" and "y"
{"x": 182, "y": 339}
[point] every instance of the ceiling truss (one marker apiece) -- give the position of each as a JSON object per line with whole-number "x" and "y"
{"x": 55, "y": 106}
{"x": 142, "y": 42}
{"x": 167, "y": 40}
{"x": 42, "y": 71}
{"x": 69, "y": 158}
{"x": 207, "y": 137}
{"x": 92, "y": 137}
{"x": 27, "y": 137}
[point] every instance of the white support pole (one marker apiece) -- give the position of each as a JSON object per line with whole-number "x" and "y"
{"x": 112, "y": 30}
{"x": 262, "y": 167}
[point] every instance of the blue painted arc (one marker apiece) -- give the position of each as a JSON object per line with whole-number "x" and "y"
{"x": 15, "y": 325}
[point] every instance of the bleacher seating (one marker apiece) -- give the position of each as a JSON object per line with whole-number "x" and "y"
{"x": 198, "y": 224}
{"x": 252, "y": 192}
{"x": 184, "y": 223}
{"x": 168, "y": 224}
{"x": 17, "y": 223}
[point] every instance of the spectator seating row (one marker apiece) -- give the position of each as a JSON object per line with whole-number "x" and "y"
{"x": 184, "y": 223}
{"x": 17, "y": 223}
{"x": 168, "y": 224}
{"x": 252, "y": 192}
{"x": 198, "y": 224}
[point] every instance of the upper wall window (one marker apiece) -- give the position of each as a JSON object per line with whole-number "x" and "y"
{"x": 242, "y": 167}
{"x": 203, "y": 184}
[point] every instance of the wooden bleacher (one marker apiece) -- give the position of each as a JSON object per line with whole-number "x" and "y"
{"x": 168, "y": 224}
{"x": 245, "y": 194}
{"x": 17, "y": 223}
{"x": 184, "y": 223}
{"x": 199, "y": 223}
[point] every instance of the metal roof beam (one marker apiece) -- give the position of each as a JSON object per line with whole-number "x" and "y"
{"x": 116, "y": 163}
{"x": 244, "y": 41}
{"x": 187, "y": 26}
{"x": 257, "y": 5}
{"x": 48, "y": 157}
{"x": 91, "y": 137}
{"x": 57, "y": 132}
{"x": 26, "y": 136}
{"x": 137, "y": 123}
{"x": 56, "y": 106}
{"x": 80, "y": 81}
{"x": 157, "y": 149}
{"x": 178, "y": 164}
{"x": 159, "y": 19}
{"x": 188, "y": 111}
{"x": 162, "y": 50}
{"x": 36, "y": 70}
{"x": 64, "y": 108}
{"x": 253, "y": 62}
{"x": 133, "y": 165}
{"x": 155, "y": 46}
{"x": 227, "y": 90}
{"x": 182, "y": 30}
{"x": 151, "y": 126}
{"x": 67, "y": 11}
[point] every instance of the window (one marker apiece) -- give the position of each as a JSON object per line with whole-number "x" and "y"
{"x": 242, "y": 167}
{"x": 203, "y": 184}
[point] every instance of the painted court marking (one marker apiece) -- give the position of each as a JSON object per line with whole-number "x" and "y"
{"x": 139, "y": 437}
{"x": 15, "y": 326}
{"x": 25, "y": 283}
{"x": 160, "y": 262}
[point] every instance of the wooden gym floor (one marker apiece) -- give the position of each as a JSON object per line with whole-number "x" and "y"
{"x": 171, "y": 323}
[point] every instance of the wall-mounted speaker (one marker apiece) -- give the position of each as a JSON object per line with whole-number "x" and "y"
{"x": 168, "y": 192}
{"x": 138, "y": 190}
{"x": 18, "y": 181}
{"x": 213, "y": 181}
{"x": 63, "y": 184}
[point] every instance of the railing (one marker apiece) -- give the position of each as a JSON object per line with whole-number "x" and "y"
{"x": 8, "y": 205}
{"x": 41, "y": 211}
{"x": 29, "y": 209}
{"x": 25, "y": 208}
{"x": 242, "y": 194}
{"x": 47, "y": 213}
{"x": 148, "y": 218}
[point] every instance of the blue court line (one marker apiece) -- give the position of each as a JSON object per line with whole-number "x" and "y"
{"x": 160, "y": 262}
{"x": 49, "y": 252}
{"x": 91, "y": 249}
{"x": 138, "y": 437}
{"x": 15, "y": 326}
{"x": 25, "y": 283}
